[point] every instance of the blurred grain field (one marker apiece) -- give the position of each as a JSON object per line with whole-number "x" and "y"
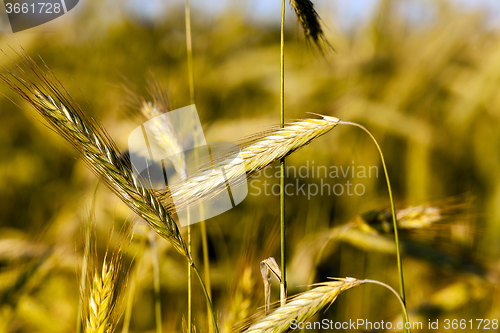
{"x": 428, "y": 91}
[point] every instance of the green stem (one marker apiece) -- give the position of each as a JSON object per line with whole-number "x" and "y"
{"x": 156, "y": 279}
{"x": 283, "y": 287}
{"x": 209, "y": 302}
{"x": 394, "y": 218}
{"x": 401, "y": 301}
{"x": 206, "y": 267}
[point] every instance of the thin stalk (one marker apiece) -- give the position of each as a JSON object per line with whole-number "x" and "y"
{"x": 206, "y": 266}
{"x": 394, "y": 218}
{"x": 401, "y": 301}
{"x": 189, "y": 48}
{"x": 282, "y": 161}
{"x": 209, "y": 302}
{"x": 156, "y": 278}
{"x": 206, "y": 263}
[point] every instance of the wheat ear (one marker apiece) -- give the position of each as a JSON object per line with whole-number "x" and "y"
{"x": 409, "y": 218}
{"x": 363, "y": 230}
{"x": 303, "y": 306}
{"x": 47, "y": 95}
{"x": 101, "y": 289}
{"x": 101, "y": 300}
{"x": 257, "y": 155}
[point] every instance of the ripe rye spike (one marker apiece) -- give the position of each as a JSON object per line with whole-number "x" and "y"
{"x": 48, "y": 96}
{"x": 303, "y": 306}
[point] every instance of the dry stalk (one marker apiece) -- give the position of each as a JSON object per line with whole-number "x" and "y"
{"x": 268, "y": 266}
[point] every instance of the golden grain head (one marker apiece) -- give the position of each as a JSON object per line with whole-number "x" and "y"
{"x": 303, "y": 307}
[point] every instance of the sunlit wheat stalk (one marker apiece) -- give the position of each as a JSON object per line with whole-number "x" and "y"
{"x": 166, "y": 137}
{"x": 189, "y": 49}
